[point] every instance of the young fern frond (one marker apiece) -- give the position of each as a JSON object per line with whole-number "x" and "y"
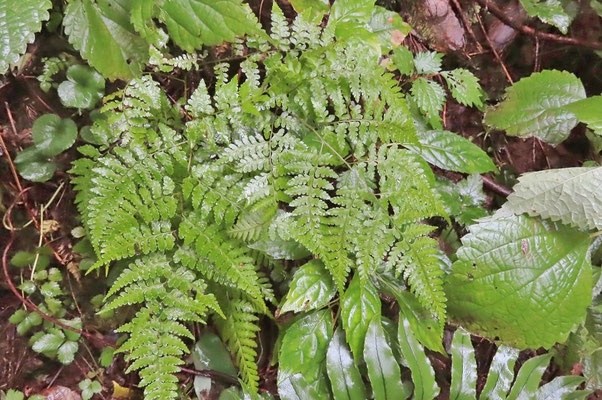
{"x": 170, "y": 297}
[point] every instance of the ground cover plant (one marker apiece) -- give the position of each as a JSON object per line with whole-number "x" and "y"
{"x": 301, "y": 199}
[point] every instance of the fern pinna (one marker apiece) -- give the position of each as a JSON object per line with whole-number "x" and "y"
{"x": 312, "y": 154}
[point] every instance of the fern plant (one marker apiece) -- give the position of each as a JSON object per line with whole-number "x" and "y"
{"x": 312, "y": 150}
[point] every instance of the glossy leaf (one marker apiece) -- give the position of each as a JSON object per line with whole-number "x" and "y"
{"x": 383, "y": 370}
{"x": 48, "y": 342}
{"x": 524, "y": 114}
{"x": 359, "y": 304}
{"x": 311, "y": 288}
{"x": 428, "y": 62}
{"x": 33, "y": 166}
{"x": 209, "y": 352}
{"x": 522, "y": 280}
{"x": 19, "y": 22}
{"x": 304, "y": 346}
{"x": 569, "y": 195}
{"x": 423, "y": 376}
{"x": 589, "y": 112}
{"x": 549, "y": 11}
{"x": 390, "y": 28}
{"x": 528, "y": 377}
{"x": 103, "y": 34}
{"x": 345, "y": 378}
{"x": 83, "y": 87}
{"x": 193, "y": 24}
{"x": 66, "y": 353}
{"x": 559, "y": 387}
{"x": 297, "y": 387}
{"x": 501, "y": 374}
{"x": 351, "y": 10}
{"x": 450, "y": 151}
{"x": 425, "y": 327}
{"x": 316, "y": 8}
{"x": 464, "y": 367}
{"x": 53, "y": 135}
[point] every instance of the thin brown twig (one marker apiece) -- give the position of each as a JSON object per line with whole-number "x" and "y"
{"x": 527, "y": 30}
{"x": 467, "y": 24}
{"x": 209, "y": 373}
{"x": 496, "y": 187}
{"x": 495, "y": 53}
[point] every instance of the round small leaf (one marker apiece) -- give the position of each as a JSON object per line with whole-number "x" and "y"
{"x": 83, "y": 87}
{"x": 33, "y": 166}
{"x": 53, "y": 135}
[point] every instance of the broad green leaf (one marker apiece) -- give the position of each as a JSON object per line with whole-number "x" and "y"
{"x": 22, "y": 259}
{"x": 304, "y": 346}
{"x": 311, "y": 288}
{"x": 523, "y": 113}
{"x": 464, "y": 367}
{"x": 297, "y": 387}
{"x": 528, "y": 377}
{"x": 501, "y": 374}
{"x": 193, "y": 24}
{"x": 464, "y": 87}
{"x": 209, "y": 352}
{"x": 359, "y": 304}
{"x": 53, "y": 135}
{"x": 549, "y": 11}
{"x": 17, "y": 316}
{"x": 403, "y": 59}
{"x": 569, "y": 195}
{"x": 428, "y": 62}
{"x": 424, "y": 325}
{"x": 559, "y": 387}
{"x": 423, "y": 376}
{"x": 141, "y": 16}
{"x": 12, "y": 394}
{"x": 33, "y": 166}
{"x": 19, "y": 22}
{"x": 383, "y": 370}
{"x": 66, "y": 353}
{"x": 429, "y": 97}
{"x": 103, "y": 34}
{"x": 317, "y": 8}
{"x": 106, "y": 356}
{"x": 351, "y": 11}
{"x": 588, "y": 111}
{"x": 345, "y": 378}
{"x": 83, "y": 87}
{"x": 450, "y": 151}
{"x": 48, "y": 342}
{"x": 523, "y": 280}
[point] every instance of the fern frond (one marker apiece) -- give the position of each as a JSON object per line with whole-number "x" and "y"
{"x": 417, "y": 257}
{"x": 239, "y": 329}
{"x": 170, "y": 297}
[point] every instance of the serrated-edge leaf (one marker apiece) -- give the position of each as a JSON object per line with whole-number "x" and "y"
{"x": 570, "y": 195}
{"x": 453, "y": 152}
{"x": 524, "y": 113}
{"x": 522, "y": 280}
{"x": 19, "y": 22}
